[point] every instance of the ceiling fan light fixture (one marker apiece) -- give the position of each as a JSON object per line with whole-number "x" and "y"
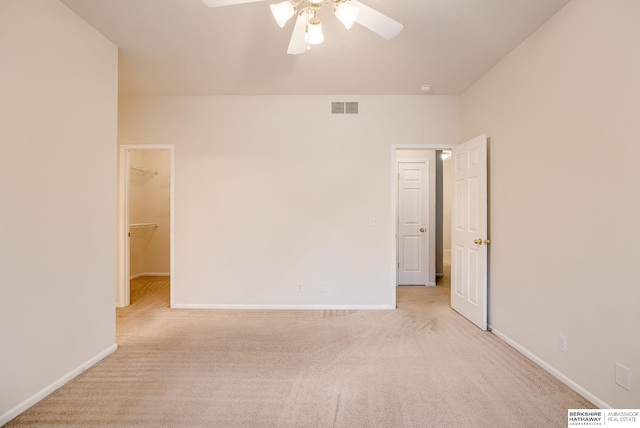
{"x": 282, "y": 12}
{"x": 314, "y": 35}
{"x": 347, "y": 14}
{"x": 307, "y": 30}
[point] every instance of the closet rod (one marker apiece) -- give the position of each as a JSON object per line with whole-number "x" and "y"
{"x": 140, "y": 225}
{"x": 143, "y": 169}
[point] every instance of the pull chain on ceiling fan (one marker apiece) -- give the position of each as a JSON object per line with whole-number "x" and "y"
{"x": 307, "y": 30}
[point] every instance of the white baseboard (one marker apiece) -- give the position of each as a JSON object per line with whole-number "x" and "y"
{"x": 552, "y": 371}
{"x": 138, "y": 275}
{"x": 286, "y": 307}
{"x": 14, "y": 412}
{"x": 428, "y": 284}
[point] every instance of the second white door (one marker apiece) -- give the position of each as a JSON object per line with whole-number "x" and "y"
{"x": 413, "y": 223}
{"x": 469, "y": 238}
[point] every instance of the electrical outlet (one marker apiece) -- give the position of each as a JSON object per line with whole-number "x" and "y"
{"x": 373, "y": 221}
{"x": 299, "y": 287}
{"x": 623, "y": 377}
{"x": 562, "y": 343}
{"x": 323, "y": 287}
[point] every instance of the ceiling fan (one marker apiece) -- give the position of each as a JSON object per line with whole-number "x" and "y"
{"x": 307, "y": 30}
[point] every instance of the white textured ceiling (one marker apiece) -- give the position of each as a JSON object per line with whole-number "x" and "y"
{"x": 182, "y": 47}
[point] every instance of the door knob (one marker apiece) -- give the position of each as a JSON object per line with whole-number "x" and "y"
{"x": 487, "y": 241}
{"x": 478, "y": 241}
{"x": 422, "y": 229}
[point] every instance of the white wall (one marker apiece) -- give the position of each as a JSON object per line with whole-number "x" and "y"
{"x": 58, "y": 107}
{"x": 273, "y": 191}
{"x": 149, "y": 202}
{"x": 562, "y": 115}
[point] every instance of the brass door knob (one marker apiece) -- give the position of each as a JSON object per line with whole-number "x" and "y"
{"x": 487, "y": 241}
{"x": 422, "y": 229}
{"x": 478, "y": 241}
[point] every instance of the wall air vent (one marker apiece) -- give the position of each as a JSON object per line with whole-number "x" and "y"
{"x": 349, "y": 107}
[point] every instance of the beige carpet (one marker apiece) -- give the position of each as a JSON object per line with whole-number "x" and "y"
{"x": 421, "y": 365}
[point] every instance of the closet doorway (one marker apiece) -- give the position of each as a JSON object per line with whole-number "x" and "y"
{"x": 145, "y": 218}
{"x": 439, "y": 219}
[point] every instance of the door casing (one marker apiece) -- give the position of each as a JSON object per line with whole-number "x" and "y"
{"x": 394, "y": 204}
{"x": 122, "y": 256}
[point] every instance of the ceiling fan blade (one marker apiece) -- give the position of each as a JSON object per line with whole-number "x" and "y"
{"x": 298, "y": 45}
{"x": 375, "y": 21}
{"x": 219, "y": 3}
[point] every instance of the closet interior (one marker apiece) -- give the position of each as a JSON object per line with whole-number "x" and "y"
{"x": 149, "y": 213}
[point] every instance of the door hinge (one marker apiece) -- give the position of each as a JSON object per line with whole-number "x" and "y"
{"x": 398, "y": 176}
{"x": 129, "y": 234}
{"x": 398, "y": 265}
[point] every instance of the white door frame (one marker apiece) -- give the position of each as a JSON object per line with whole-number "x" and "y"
{"x": 123, "y": 275}
{"x": 394, "y": 204}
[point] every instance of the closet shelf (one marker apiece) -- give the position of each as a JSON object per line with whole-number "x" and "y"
{"x": 142, "y": 225}
{"x": 143, "y": 170}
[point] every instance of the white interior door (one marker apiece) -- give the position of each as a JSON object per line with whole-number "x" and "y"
{"x": 124, "y": 292}
{"x": 469, "y": 231}
{"x": 413, "y": 223}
